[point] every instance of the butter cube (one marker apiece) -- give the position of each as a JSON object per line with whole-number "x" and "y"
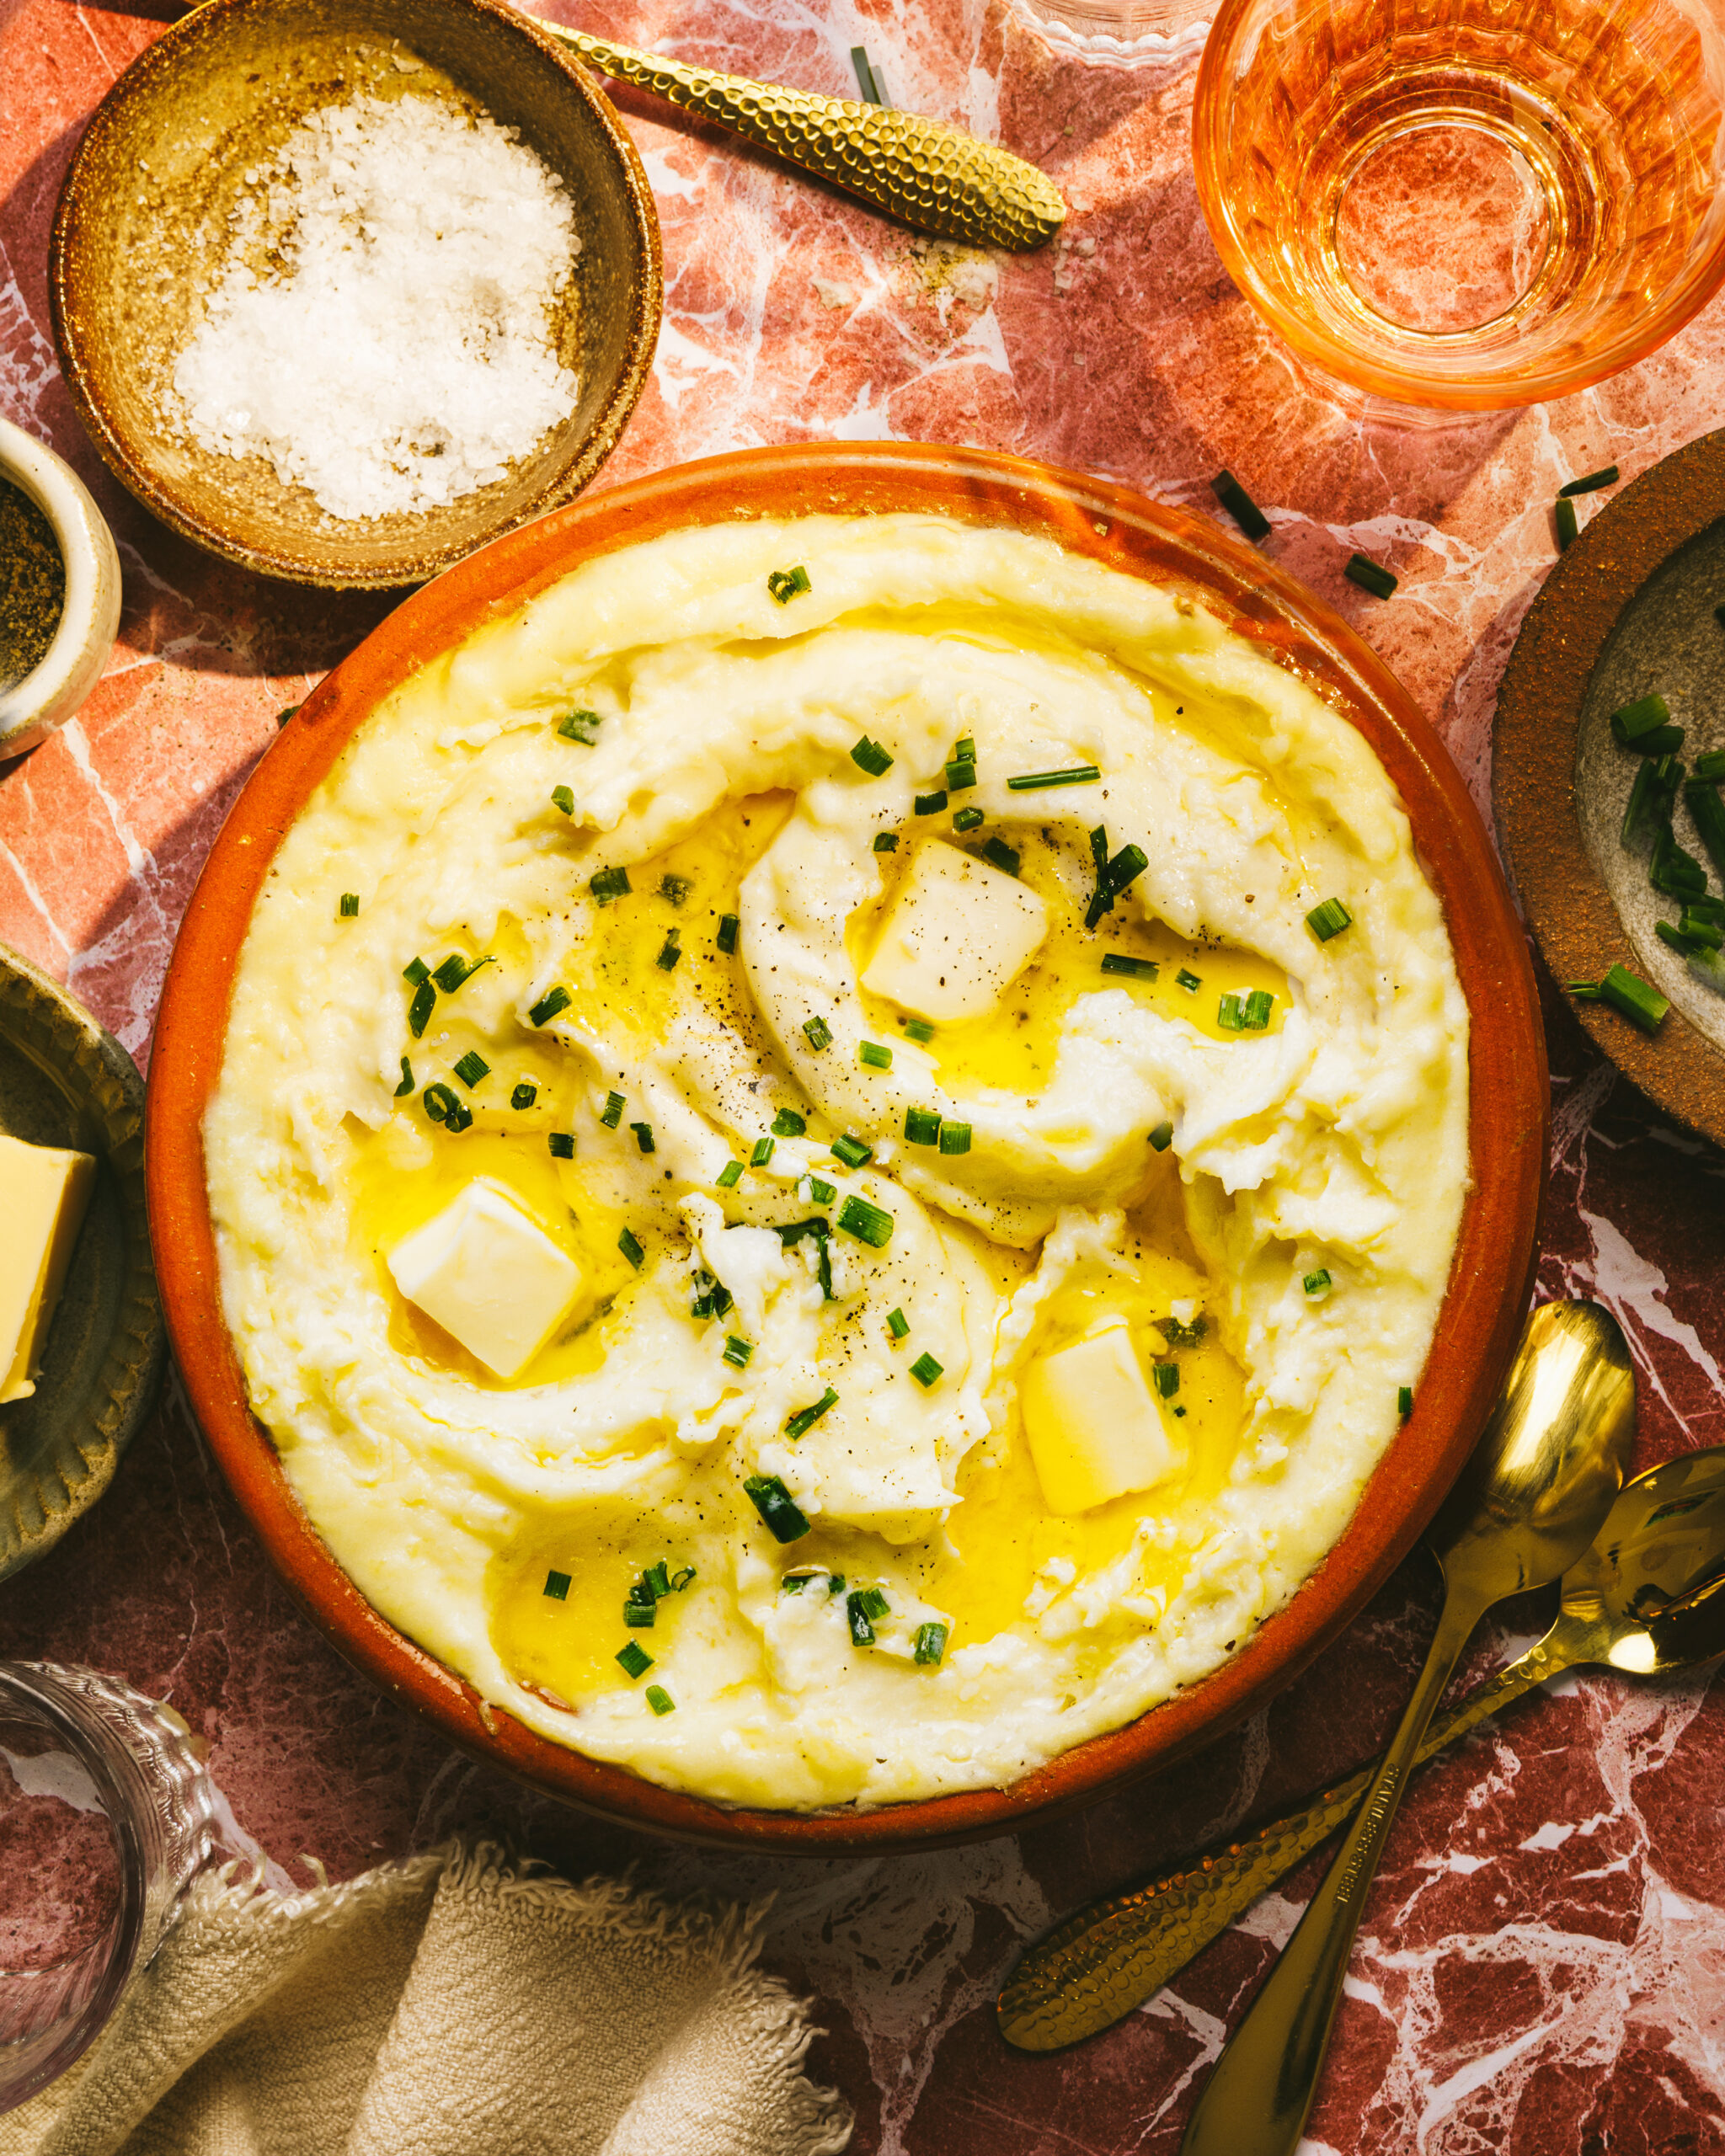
{"x": 44, "y": 1191}
{"x": 1094, "y": 1430}
{"x": 956, "y": 938}
{"x": 487, "y": 1274}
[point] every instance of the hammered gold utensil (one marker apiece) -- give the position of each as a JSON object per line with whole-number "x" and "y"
{"x": 1648, "y": 1599}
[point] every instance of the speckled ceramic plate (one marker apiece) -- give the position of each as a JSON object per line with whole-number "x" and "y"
{"x": 64, "y": 1080}
{"x": 1627, "y": 611}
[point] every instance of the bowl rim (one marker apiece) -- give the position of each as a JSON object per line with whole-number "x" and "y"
{"x": 1491, "y": 1273}
{"x": 58, "y": 684}
{"x": 159, "y": 497}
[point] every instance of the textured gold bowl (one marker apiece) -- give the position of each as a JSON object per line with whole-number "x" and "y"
{"x": 144, "y": 212}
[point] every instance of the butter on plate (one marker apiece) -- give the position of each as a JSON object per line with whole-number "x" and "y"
{"x": 43, "y": 1192}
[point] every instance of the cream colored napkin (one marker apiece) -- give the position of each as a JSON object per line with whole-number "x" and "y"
{"x": 458, "y": 2004}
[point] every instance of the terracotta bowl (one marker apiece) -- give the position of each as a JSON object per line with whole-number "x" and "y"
{"x": 1489, "y": 1284}
{"x": 161, "y": 166}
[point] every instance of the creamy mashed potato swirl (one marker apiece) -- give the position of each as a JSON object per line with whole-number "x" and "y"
{"x": 636, "y": 1264}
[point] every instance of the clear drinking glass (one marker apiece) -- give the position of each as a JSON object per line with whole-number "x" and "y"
{"x": 1466, "y": 203}
{"x": 105, "y": 1814}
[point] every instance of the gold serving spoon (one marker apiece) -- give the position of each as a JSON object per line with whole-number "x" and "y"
{"x": 1536, "y": 1491}
{"x": 1647, "y": 1597}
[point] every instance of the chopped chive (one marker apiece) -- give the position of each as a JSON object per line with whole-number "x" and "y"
{"x": 794, "y": 1582}
{"x": 1239, "y": 505}
{"x": 1230, "y": 1014}
{"x": 964, "y": 750}
{"x": 1673, "y": 936}
{"x": 1702, "y": 800}
{"x": 775, "y": 1505}
{"x": 1162, "y": 1136}
{"x": 611, "y": 1114}
{"x": 817, "y": 1032}
{"x": 282, "y": 717}
{"x": 1178, "y": 1335}
{"x": 785, "y": 584}
{"x": 872, "y": 1602}
{"x": 1038, "y": 782}
{"x": 416, "y": 971}
{"x": 925, "y": 1369}
{"x": 921, "y": 1126}
{"x": 850, "y": 1150}
{"x": 790, "y": 1232}
{"x": 869, "y": 756}
{"x": 440, "y": 1104}
{"x": 580, "y": 725}
{"x": 931, "y": 1646}
{"x": 1672, "y": 870}
{"x": 1317, "y": 1284}
{"x": 1258, "y": 1005}
{"x": 1651, "y": 797}
{"x": 960, "y": 775}
{"x": 877, "y": 1056}
{"x": 553, "y": 1000}
{"x": 820, "y": 1192}
{"x": 806, "y": 1418}
{"x": 524, "y": 1095}
{"x": 562, "y": 1144}
{"x": 967, "y": 819}
{"x": 1700, "y": 930}
{"x": 635, "y": 1659}
{"x": 834, "y": 1583}
{"x": 918, "y": 1029}
{"x": 1111, "y": 876}
{"x": 557, "y": 1585}
{"x": 1004, "y": 857}
{"x": 1710, "y": 766}
{"x": 608, "y": 884}
{"x": 1328, "y": 919}
{"x": 640, "y": 1616}
{"x": 471, "y": 1068}
{"x": 643, "y": 1136}
{"x": 728, "y": 924}
{"x": 1404, "y": 1401}
{"x": 563, "y": 797}
{"x": 1563, "y": 516}
{"x": 631, "y": 1249}
{"x": 861, "y": 1630}
{"x": 680, "y": 1578}
{"x": 737, "y": 1351}
{"x": 1117, "y": 961}
{"x": 1627, "y": 992}
{"x": 730, "y": 1175}
{"x": 406, "y": 1086}
{"x": 1591, "y": 484}
{"x": 1629, "y": 722}
{"x": 1662, "y": 741}
{"x": 669, "y": 953}
{"x": 420, "y": 1009}
{"x": 347, "y": 906}
{"x": 1190, "y": 982}
{"x": 897, "y": 1324}
{"x": 954, "y": 1137}
{"x": 660, "y": 1699}
{"x": 1371, "y": 576}
{"x": 928, "y": 804}
{"x": 788, "y": 1123}
{"x": 1584, "y": 991}
{"x": 867, "y": 1222}
{"x": 886, "y": 842}
{"x": 1167, "y": 1376}
{"x": 763, "y": 1152}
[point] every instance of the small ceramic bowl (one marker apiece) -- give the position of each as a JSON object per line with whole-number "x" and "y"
{"x": 144, "y": 209}
{"x": 35, "y": 704}
{"x": 1481, "y": 1314}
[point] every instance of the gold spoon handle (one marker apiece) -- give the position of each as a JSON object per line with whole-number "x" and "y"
{"x": 1112, "y": 1956}
{"x": 932, "y": 176}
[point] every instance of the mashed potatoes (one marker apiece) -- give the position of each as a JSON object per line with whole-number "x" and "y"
{"x": 800, "y": 1196}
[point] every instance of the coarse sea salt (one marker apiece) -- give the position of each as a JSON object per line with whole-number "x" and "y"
{"x": 403, "y": 353}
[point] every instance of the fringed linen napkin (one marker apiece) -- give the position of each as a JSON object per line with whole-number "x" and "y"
{"x": 458, "y": 2004}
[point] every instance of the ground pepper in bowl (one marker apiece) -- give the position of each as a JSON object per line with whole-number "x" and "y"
{"x": 32, "y": 583}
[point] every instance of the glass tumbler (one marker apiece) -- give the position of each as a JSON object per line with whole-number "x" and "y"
{"x": 105, "y": 1814}
{"x": 1466, "y": 203}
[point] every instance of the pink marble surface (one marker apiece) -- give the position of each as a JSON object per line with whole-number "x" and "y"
{"x": 1542, "y": 1964}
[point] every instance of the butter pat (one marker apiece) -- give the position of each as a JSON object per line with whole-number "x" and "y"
{"x": 42, "y": 1194}
{"x": 487, "y": 1274}
{"x": 956, "y": 938}
{"x": 1094, "y": 1430}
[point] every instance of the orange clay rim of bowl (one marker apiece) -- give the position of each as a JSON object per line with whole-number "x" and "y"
{"x": 1490, "y": 1276}
{"x": 1213, "y": 141}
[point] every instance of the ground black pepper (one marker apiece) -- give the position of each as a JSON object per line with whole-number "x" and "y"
{"x": 32, "y": 583}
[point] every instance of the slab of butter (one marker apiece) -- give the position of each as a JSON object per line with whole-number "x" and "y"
{"x": 484, "y": 1272}
{"x": 43, "y": 1192}
{"x": 956, "y": 938}
{"x": 1094, "y": 1430}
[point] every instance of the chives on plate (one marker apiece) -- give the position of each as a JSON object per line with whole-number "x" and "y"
{"x": 611, "y": 1114}
{"x": 886, "y": 842}
{"x": 785, "y": 584}
{"x": 763, "y": 1152}
{"x": 1704, "y": 805}
{"x": 897, "y": 1324}
{"x": 1162, "y": 1136}
{"x": 1117, "y": 961}
{"x": 1404, "y": 1401}
{"x": 874, "y": 1054}
{"x": 1168, "y": 1379}
{"x": 867, "y": 1222}
{"x": 929, "y": 804}
{"x": 630, "y": 1246}
{"x": 730, "y": 1175}
{"x": 921, "y": 1126}
{"x": 777, "y": 1510}
{"x": 455, "y": 969}
{"x": 799, "y": 1424}
{"x": 820, "y": 1192}
{"x": 348, "y": 906}
{"x": 553, "y": 1001}
{"x": 1317, "y": 1284}
{"x": 1371, "y": 576}
{"x": 1239, "y": 505}
{"x": 1230, "y": 1014}
{"x": 635, "y": 1659}
{"x": 817, "y": 1032}
{"x": 661, "y": 1700}
{"x": 561, "y": 1144}
{"x": 788, "y": 1123}
{"x": 961, "y": 772}
{"x": 643, "y": 1137}
{"x": 967, "y": 819}
{"x": 524, "y": 1095}
{"x": 416, "y": 971}
{"x": 608, "y": 884}
{"x": 737, "y": 1351}
{"x": 1652, "y": 798}
{"x": 407, "y": 1079}
{"x": 557, "y": 1585}
{"x": 420, "y": 1009}
{"x": 669, "y": 953}
{"x": 1646, "y": 715}
{"x": 931, "y": 1646}
{"x": 919, "y": 1029}
{"x": 871, "y": 757}
{"x": 1563, "y": 517}
{"x": 1328, "y": 919}
{"x": 925, "y": 1369}
{"x": 580, "y": 725}
{"x": 563, "y": 797}
{"x": 1111, "y": 876}
{"x": 1256, "y": 1014}
{"x": 1038, "y": 782}
{"x": 850, "y": 1150}
{"x": 1591, "y": 484}
{"x": 1710, "y": 766}
{"x": 1630, "y": 995}
{"x": 439, "y": 1102}
{"x": 471, "y": 1068}
{"x": 954, "y": 1137}
{"x": 1004, "y": 857}
{"x": 1189, "y": 981}
{"x": 728, "y": 924}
